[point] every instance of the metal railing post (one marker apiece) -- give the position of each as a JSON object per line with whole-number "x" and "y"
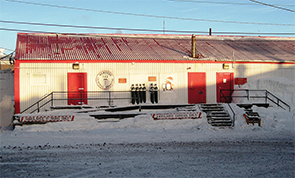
{"x": 230, "y": 97}
{"x": 51, "y": 99}
{"x": 38, "y": 109}
{"x": 220, "y": 91}
{"x": 248, "y": 94}
{"x": 81, "y": 97}
{"x": 109, "y": 98}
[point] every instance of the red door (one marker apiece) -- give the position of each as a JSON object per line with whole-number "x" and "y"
{"x": 77, "y": 88}
{"x": 197, "y": 87}
{"x": 225, "y": 85}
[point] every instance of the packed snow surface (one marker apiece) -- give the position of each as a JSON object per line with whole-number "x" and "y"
{"x": 143, "y": 147}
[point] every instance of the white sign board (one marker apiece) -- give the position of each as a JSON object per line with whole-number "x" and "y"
{"x": 44, "y": 118}
{"x": 177, "y": 115}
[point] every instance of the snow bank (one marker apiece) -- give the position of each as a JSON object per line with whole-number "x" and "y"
{"x": 276, "y": 124}
{"x": 280, "y": 87}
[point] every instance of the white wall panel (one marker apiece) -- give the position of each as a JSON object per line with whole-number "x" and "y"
{"x": 56, "y": 77}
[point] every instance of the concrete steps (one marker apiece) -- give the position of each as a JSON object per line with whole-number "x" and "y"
{"x": 217, "y": 115}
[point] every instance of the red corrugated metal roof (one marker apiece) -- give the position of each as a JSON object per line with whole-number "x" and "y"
{"x": 36, "y": 46}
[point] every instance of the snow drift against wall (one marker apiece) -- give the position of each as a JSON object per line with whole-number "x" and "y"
{"x": 280, "y": 87}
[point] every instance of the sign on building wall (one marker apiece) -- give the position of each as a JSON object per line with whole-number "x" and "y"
{"x": 168, "y": 84}
{"x": 240, "y": 81}
{"x": 105, "y": 79}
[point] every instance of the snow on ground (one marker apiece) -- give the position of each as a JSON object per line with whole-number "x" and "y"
{"x": 276, "y": 124}
{"x": 143, "y": 147}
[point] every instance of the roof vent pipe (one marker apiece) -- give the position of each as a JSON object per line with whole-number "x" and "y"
{"x": 193, "y": 45}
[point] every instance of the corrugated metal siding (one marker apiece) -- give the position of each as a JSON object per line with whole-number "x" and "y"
{"x": 56, "y": 77}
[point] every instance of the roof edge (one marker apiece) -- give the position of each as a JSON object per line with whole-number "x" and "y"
{"x": 168, "y": 36}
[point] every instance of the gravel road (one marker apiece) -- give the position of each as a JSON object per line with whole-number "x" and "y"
{"x": 169, "y": 159}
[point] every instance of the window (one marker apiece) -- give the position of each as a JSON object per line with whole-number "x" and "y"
{"x": 38, "y": 79}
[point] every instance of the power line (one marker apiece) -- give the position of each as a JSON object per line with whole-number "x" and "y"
{"x": 190, "y": 32}
{"x": 226, "y": 3}
{"x": 98, "y": 28}
{"x": 274, "y": 6}
{"x": 6, "y": 49}
{"x": 150, "y": 16}
{"x": 214, "y": 2}
{"x": 8, "y": 55}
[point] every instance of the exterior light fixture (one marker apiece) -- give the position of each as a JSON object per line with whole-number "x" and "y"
{"x": 76, "y": 65}
{"x": 225, "y": 66}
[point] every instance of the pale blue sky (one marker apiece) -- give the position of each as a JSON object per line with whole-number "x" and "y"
{"x": 277, "y": 20}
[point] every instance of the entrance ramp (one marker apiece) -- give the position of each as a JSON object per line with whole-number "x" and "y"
{"x": 141, "y": 107}
{"x": 119, "y": 112}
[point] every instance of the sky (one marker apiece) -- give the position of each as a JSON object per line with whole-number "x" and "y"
{"x": 175, "y": 16}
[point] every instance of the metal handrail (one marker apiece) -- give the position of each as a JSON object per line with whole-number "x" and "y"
{"x": 266, "y": 96}
{"x": 278, "y": 101}
{"x": 49, "y": 98}
{"x": 37, "y": 103}
{"x": 228, "y": 103}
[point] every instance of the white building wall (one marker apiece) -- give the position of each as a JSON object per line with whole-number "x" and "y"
{"x": 39, "y": 79}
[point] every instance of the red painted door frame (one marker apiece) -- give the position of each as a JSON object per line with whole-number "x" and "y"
{"x": 224, "y": 82}
{"x": 196, "y": 87}
{"x": 77, "y": 88}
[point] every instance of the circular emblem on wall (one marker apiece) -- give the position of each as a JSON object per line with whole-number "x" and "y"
{"x": 105, "y": 79}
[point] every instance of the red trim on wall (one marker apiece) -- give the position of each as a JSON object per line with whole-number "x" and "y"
{"x": 148, "y": 61}
{"x": 16, "y": 87}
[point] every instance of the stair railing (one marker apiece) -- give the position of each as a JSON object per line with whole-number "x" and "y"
{"x": 228, "y": 103}
{"x": 278, "y": 101}
{"x": 266, "y": 95}
{"x": 38, "y": 104}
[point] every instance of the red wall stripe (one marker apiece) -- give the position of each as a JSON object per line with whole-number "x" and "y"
{"x": 148, "y": 61}
{"x": 16, "y": 87}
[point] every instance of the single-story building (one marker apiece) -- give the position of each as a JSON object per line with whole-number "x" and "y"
{"x": 185, "y": 68}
